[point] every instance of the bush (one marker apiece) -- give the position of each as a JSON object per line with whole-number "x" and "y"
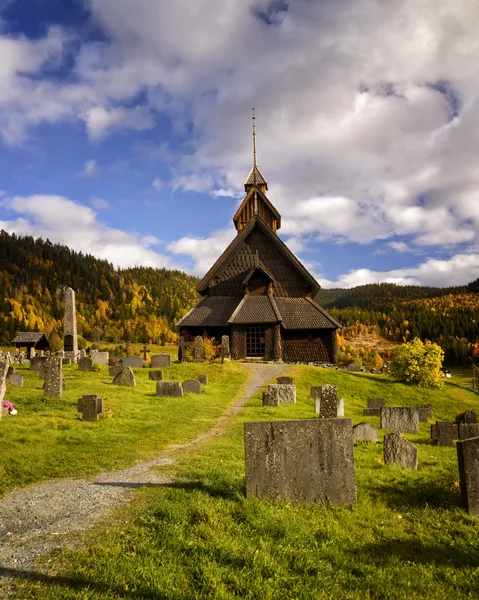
{"x": 418, "y": 364}
{"x": 210, "y": 347}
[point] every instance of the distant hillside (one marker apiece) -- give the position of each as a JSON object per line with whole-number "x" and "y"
{"x": 135, "y": 305}
{"x": 447, "y": 316}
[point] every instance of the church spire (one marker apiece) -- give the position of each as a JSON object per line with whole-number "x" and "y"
{"x": 255, "y": 177}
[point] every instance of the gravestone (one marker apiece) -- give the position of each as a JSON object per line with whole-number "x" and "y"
{"x": 132, "y": 361}
{"x": 85, "y": 364}
{"x": 468, "y": 462}
{"x": 469, "y": 416}
{"x": 90, "y": 406}
{"x": 191, "y": 386}
{"x": 10, "y": 371}
{"x": 284, "y": 393}
{"x": 31, "y": 353}
{"x": 444, "y": 433}
{"x": 468, "y": 430}
{"x": 340, "y": 407}
{"x": 113, "y": 371}
{"x": 328, "y": 401}
{"x": 53, "y": 377}
{"x": 41, "y": 371}
{"x": 16, "y": 379}
{"x": 365, "y": 432}
{"x": 285, "y": 380}
{"x": 67, "y": 361}
{"x": 400, "y": 418}
{"x": 169, "y": 388}
{"x": 225, "y": 346}
{"x": 353, "y": 367}
{"x": 203, "y": 379}
{"x": 70, "y": 338}
{"x": 125, "y": 377}
{"x": 270, "y": 398}
{"x": 160, "y": 360}
{"x": 64, "y": 384}
{"x": 425, "y": 412}
{"x": 372, "y": 412}
{"x": 307, "y": 460}
{"x": 82, "y": 353}
{"x": 40, "y": 353}
{"x": 155, "y": 375}
{"x": 99, "y": 358}
{"x": 199, "y": 350}
{"x": 36, "y": 363}
{"x": 376, "y": 402}
{"x": 400, "y": 451}
{"x": 3, "y": 376}
{"x": 60, "y": 353}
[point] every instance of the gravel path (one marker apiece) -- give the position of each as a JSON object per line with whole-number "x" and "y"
{"x": 39, "y": 519}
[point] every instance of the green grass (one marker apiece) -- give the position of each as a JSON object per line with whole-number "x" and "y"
{"x": 200, "y": 537}
{"x": 47, "y": 438}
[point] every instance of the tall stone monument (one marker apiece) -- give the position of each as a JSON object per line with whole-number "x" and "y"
{"x": 3, "y": 378}
{"x": 70, "y": 340}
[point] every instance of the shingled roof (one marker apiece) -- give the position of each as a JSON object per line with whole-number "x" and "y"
{"x": 27, "y": 337}
{"x": 255, "y": 309}
{"x": 303, "y": 313}
{"x": 211, "y": 311}
{"x": 255, "y": 177}
{"x": 225, "y": 259}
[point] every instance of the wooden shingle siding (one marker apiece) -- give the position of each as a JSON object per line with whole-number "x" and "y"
{"x": 238, "y": 343}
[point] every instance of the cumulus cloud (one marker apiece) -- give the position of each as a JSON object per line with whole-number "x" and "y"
{"x": 204, "y": 251}
{"x": 64, "y": 221}
{"x": 90, "y": 169}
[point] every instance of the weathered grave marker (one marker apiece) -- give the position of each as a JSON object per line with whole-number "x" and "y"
{"x": 3, "y": 376}
{"x": 53, "y": 377}
{"x": 468, "y": 462}
{"x": 425, "y": 412}
{"x": 132, "y": 361}
{"x": 125, "y": 377}
{"x": 85, "y": 364}
{"x": 169, "y": 388}
{"x": 285, "y": 380}
{"x": 328, "y": 401}
{"x": 270, "y": 398}
{"x": 203, "y": 379}
{"x": 468, "y": 416}
{"x": 400, "y": 418}
{"x": 400, "y": 451}
{"x": 191, "y": 386}
{"x": 99, "y": 358}
{"x": 225, "y": 347}
{"x": 16, "y": 379}
{"x": 199, "y": 350}
{"x": 308, "y": 460}
{"x": 113, "y": 371}
{"x": 90, "y": 406}
{"x": 285, "y": 393}
{"x": 365, "y": 432}
{"x": 340, "y": 407}
{"x": 36, "y": 363}
{"x": 155, "y": 375}
{"x": 70, "y": 338}
{"x": 444, "y": 433}
{"x": 468, "y": 430}
{"x": 160, "y": 360}
{"x": 376, "y": 402}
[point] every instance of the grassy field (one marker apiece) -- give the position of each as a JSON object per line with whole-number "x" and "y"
{"x": 47, "y": 438}
{"x": 407, "y": 537}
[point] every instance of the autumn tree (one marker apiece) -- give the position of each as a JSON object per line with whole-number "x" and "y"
{"x": 419, "y": 364}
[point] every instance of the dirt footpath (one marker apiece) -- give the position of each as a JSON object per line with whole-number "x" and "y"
{"x": 37, "y": 520}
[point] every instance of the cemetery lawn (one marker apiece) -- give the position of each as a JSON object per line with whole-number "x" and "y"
{"x": 199, "y": 537}
{"x": 48, "y": 439}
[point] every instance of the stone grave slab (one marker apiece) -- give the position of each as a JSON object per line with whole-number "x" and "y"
{"x": 53, "y": 385}
{"x": 132, "y": 361}
{"x": 3, "y": 376}
{"x": 340, "y": 407}
{"x": 400, "y": 451}
{"x": 203, "y": 379}
{"x": 365, "y": 432}
{"x": 376, "y": 402}
{"x": 16, "y": 379}
{"x": 468, "y": 462}
{"x": 192, "y": 386}
{"x": 90, "y": 406}
{"x": 468, "y": 416}
{"x": 285, "y": 393}
{"x": 35, "y": 363}
{"x": 285, "y": 380}
{"x": 225, "y": 346}
{"x": 169, "y": 388}
{"x": 10, "y": 371}
{"x": 99, "y": 358}
{"x": 199, "y": 350}
{"x": 400, "y": 418}
{"x": 444, "y": 433}
{"x": 328, "y": 401}
{"x": 161, "y": 360}
{"x": 468, "y": 430}
{"x": 372, "y": 412}
{"x": 270, "y": 398}
{"x": 155, "y": 375}
{"x": 85, "y": 364}
{"x": 307, "y": 460}
{"x": 425, "y": 412}
{"x": 113, "y": 371}
{"x": 125, "y": 377}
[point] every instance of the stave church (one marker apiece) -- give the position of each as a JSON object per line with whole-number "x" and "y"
{"x": 259, "y": 294}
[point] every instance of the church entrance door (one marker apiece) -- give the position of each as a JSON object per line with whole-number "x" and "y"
{"x": 255, "y": 346}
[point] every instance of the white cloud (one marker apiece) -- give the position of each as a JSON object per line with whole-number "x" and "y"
{"x": 204, "y": 251}
{"x": 226, "y": 193}
{"x": 64, "y": 221}
{"x": 399, "y": 246}
{"x": 99, "y": 203}
{"x": 100, "y": 121}
{"x": 90, "y": 169}
{"x": 158, "y": 184}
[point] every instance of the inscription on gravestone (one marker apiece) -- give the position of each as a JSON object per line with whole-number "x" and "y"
{"x": 160, "y": 360}
{"x": 53, "y": 377}
{"x": 400, "y": 418}
{"x": 308, "y": 460}
{"x": 169, "y": 389}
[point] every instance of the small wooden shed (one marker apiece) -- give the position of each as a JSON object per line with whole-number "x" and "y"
{"x": 31, "y": 339}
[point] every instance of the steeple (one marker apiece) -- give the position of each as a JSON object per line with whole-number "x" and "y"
{"x": 256, "y": 201}
{"x": 255, "y": 177}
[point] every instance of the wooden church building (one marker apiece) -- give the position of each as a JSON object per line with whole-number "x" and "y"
{"x": 259, "y": 293}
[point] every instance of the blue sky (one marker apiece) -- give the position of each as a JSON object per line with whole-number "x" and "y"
{"x": 125, "y": 130}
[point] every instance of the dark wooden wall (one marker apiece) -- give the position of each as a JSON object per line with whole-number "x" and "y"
{"x": 320, "y": 347}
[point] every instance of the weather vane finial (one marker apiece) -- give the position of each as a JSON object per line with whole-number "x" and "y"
{"x": 254, "y": 140}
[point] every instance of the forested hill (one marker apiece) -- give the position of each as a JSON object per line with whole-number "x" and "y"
{"x": 138, "y": 304}
{"x": 447, "y": 316}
